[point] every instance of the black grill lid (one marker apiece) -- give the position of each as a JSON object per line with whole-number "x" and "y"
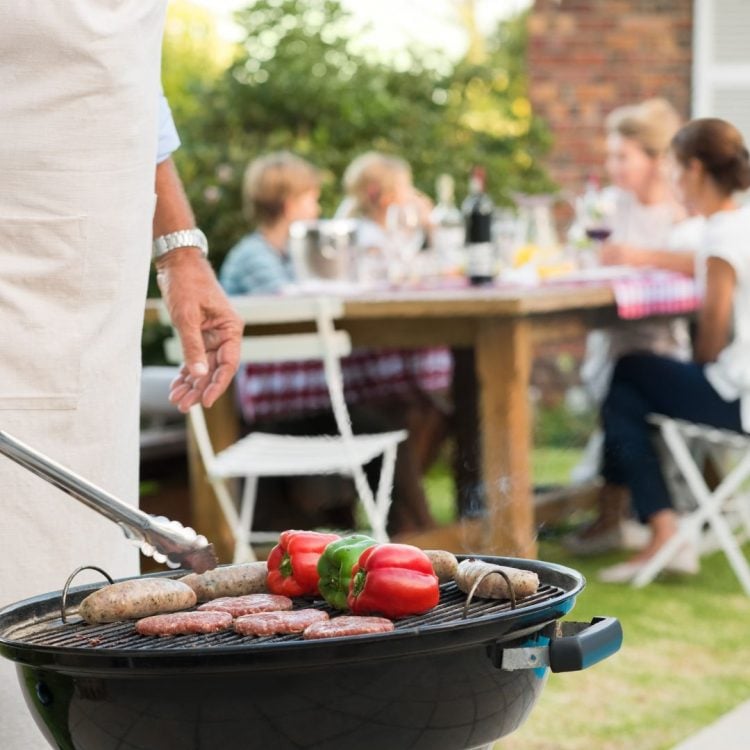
{"x": 32, "y": 632}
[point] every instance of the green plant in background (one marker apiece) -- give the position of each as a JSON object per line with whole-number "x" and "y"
{"x": 194, "y": 58}
{"x": 559, "y": 427}
{"x": 299, "y": 81}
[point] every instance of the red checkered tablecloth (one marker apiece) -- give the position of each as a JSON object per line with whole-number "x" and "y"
{"x": 655, "y": 293}
{"x": 639, "y": 293}
{"x": 280, "y": 390}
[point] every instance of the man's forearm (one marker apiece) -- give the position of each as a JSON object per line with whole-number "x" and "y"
{"x": 209, "y": 329}
{"x": 173, "y": 210}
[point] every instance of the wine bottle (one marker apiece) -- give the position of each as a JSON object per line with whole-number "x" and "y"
{"x": 448, "y": 229}
{"x": 477, "y": 210}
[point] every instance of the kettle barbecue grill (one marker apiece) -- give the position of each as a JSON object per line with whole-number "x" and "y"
{"x": 455, "y": 678}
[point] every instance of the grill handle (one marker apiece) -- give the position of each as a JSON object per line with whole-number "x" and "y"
{"x": 164, "y": 540}
{"x": 566, "y": 646}
{"x": 583, "y": 644}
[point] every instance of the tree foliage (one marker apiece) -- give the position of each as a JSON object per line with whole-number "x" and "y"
{"x": 194, "y": 57}
{"x": 297, "y": 83}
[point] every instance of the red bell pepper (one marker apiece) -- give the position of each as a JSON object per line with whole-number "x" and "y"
{"x": 394, "y": 580}
{"x": 293, "y": 562}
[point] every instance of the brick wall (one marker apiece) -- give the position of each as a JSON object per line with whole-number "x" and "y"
{"x": 587, "y": 57}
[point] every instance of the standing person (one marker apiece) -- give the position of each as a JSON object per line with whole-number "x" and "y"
{"x": 650, "y": 228}
{"x": 80, "y": 86}
{"x": 711, "y": 165}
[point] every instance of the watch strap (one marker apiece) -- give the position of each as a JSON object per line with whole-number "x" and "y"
{"x": 181, "y": 238}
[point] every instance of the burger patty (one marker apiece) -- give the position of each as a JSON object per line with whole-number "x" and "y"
{"x": 347, "y": 625}
{"x": 249, "y": 604}
{"x": 278, "y": 623}
{"x": 184, "y": 623}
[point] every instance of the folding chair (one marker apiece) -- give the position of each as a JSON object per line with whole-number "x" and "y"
{"x": 724, "y": 511}
{"x": 262, "y": 454}
{"x": 163, "y": 428}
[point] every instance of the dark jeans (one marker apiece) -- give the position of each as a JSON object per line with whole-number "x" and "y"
{"x": 645, "y": 384}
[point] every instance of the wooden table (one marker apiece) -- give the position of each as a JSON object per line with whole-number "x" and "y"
{"x": 501, "y": 326}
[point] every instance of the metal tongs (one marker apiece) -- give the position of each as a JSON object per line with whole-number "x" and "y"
{"x": 166, "y": 541}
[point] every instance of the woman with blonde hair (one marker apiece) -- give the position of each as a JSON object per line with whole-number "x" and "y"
{"x": 647, "y": 225}
{"x": 650, "y": 228}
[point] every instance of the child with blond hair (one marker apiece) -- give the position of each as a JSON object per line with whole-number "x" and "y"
{"x": 278, "y": 189}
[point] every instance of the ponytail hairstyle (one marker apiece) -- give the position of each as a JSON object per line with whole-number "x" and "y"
{"x": 719, "y": 147}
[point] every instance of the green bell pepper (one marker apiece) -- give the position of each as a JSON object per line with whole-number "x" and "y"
{"x": 335, "y": 567}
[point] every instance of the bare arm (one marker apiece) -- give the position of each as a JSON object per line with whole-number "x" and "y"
{"x": 714, "y": 324}
{"x": 616, "y": 254}
{"x": 208, "y": 327}
{"x": 173, "y": 209}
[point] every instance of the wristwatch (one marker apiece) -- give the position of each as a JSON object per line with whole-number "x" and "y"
{"x": 182, "y": 238}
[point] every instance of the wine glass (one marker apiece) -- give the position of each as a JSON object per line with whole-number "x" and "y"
{"x": 405, "y": 237}
{"x": 595, "y": 211}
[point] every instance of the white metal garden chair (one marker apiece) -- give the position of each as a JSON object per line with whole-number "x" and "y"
{"x": 163, "y": 428}
{"x": 723, "y": 512}
{"x": 262, "y": 454}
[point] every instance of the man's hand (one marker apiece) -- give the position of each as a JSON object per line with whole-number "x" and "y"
{"x": 207, "y": 325}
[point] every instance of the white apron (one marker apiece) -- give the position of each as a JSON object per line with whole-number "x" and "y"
{"x": 79, "y": 85}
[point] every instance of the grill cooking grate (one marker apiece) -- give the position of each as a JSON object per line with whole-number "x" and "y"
{"x": 75, "y": 634}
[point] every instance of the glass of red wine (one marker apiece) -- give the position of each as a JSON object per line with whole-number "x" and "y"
{"x": 594, "y": 209}
{"x": 598, "y": 233}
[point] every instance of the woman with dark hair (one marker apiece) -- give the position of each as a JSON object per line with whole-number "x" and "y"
{"x": 709, "y": 166}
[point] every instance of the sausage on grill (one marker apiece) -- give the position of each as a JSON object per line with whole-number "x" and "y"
{"x": 229, "y": 580}
{"x": 136, "y": 598}
{"x": 340, "y": 627}
{"x": 184, "y": 623}
{"x": 278, "y": 623}
{"x": 444, "y": 563}
{"x": 493, "y": 585}
{"x": 248, "y": 605}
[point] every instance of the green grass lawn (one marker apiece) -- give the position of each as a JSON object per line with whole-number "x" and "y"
{"x": 550, "y": 466}
{"x": 685, "y": 659}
